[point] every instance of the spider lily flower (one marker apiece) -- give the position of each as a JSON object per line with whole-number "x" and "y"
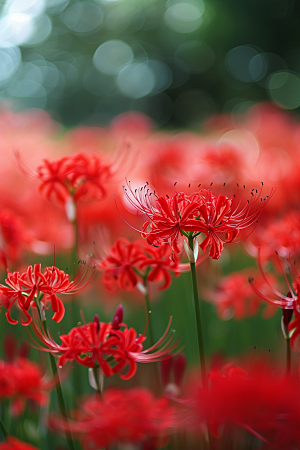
{"x": 22, "y": 380}
{"x": 260, "y": 402}
{"x": 102, "y": 345}
{"x": 131, "y": 416}
{"x": 26, "y": 288}
{"x": 282, "y": 301}
{"x": 220, "y": 218}
{"x": 286, "y": 302}
{"x": 80, "y": 176}
{"x": 233, "y": 296}
{"x": 130, "y": 263}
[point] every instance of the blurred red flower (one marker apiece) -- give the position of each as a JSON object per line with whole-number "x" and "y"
{"x": 121, "y": 417}
{"x": 22, "y": 380}
{"x": 233, "y": 296}
{"x": 260, "y": 402}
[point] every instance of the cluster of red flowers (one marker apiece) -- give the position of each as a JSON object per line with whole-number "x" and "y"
{"x": 232, "y": 403}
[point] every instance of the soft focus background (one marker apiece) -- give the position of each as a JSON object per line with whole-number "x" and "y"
{"x": 178, "y": 61}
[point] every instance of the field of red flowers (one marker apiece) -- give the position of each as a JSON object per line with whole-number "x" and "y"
{"x": 149, "y": 283}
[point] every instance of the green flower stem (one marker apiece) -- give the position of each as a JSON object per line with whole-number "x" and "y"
{"x": 198, "y": 318}
{"x": 149, "y": 312}
{"x": 150, "y": 329}
{"x": 3, "y": 428}
{"x": 74, "y": 307}
{"x": 210, "y": 441}
{"x": 60, "y": 396}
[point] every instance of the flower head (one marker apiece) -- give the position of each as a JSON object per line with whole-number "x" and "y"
{"x": 111, "y": 347}
{"x": 121, "y": 417}
{"x": 259, "y": 402}
{"x": 35, "y": 287}
{"x": 220, "y": 218}
{"x": 22, "y": 380}
{"x": 80, "y": 176}
{"x": 290, "y": 301}
{"x": 129, "y": 263}
{"x": 233, "y": 296}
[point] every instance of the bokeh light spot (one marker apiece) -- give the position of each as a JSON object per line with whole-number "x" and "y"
{"x": 284, "y": 89}
{"x": 42, "y": 27}
{"x": 184, "y": 17}
{"x": 246, "y": 64}
{"x": 111, "y": 56}
{"x": 83, "y": 17}
{"x": 10, "y": 58}
{"x": 136, "y": 80}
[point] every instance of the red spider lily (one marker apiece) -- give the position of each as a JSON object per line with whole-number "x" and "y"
{"x": 12, "y": 443}
{"x": 218, "y": 217}
{"x": 53, "y": 177}
{"x": 27, "y": 287}
{"x": 283, "y": 301}
{"x": 266, "y": 405}
{"x": 120, "y": 417}
{"x": 233, "y": 296}
{"x": 130, "y": 263}
{"x": 119, "y": 265}
{"x": 86, "y": 175}
{"x": 81, "y": 176}
{"x": 22, "y": 380}
{"x": 286, "y": 302}
{"x": 108, "y": 347}
{"x": 281, "y": 235}
{"x": 159, "y": 263}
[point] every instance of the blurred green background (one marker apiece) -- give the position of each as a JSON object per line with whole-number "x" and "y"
{"x": 178, "y": 61}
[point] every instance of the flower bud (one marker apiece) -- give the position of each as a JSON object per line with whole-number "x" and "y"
{"x": 118, "y": 317}
{"x": 97, "y": 322}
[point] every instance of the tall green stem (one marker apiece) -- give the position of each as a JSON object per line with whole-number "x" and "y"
{"x": 210, "y": 442}
{"x": 198, "y": 318}
{"x": 60, "y": 396}
{"x": 149, "y": 312}
{"x": 150, "y": 329}
{"x": 3, "y": 428}
{"x": 75, "y": 307}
